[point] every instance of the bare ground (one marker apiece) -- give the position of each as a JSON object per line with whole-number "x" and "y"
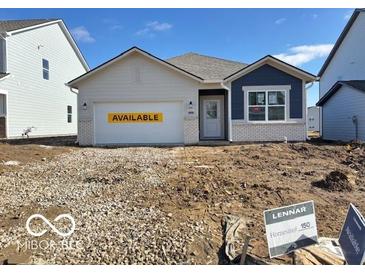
{"x": 171, "y": 201}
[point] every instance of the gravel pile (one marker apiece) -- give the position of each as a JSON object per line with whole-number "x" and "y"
{"x": 103, "y": 189}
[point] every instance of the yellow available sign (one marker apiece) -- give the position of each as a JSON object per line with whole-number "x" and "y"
{"x": 134, "y": 117}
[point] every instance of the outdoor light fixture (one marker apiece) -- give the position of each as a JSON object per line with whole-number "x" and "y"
{"x": 84, "y": 106}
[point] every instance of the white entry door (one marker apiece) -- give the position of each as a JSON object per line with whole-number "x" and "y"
{"x": 213, "y": 120}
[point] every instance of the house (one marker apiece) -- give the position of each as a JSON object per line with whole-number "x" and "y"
{"x": 313, "y": 119}
{"x": 342, "y": 84}
{"x": 138, "y": 98}
{"x": 38, "y": 57}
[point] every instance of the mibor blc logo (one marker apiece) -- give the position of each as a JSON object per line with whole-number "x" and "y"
{"x": 54, "y": 229}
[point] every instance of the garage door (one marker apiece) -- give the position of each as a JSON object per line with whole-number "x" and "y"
{"x": 139, "y": 123}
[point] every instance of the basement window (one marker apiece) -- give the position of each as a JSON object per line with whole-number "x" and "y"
{"x": 69, "y": 114}
{"x": 266, "y": 105}
{"x": 45, "y": 65}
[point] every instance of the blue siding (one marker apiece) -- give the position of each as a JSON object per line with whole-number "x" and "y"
{"x": 267, "y": 75}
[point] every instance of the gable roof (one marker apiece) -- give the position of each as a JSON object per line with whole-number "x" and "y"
{"x": 12, "y": 27}
{"x": 268, "y": 59}
{"x": 207, "y": 67}
{"x": 204, "y": 69}
{"x": 338, "y": 43}
{"x": 356, "y": 84}
{"x": 73, "y": 82}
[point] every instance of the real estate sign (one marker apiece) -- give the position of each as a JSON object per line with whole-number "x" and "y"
{"x": 352, "y": 237}
{"x": 290, "y": 227}
{"x": 134, "y": 117}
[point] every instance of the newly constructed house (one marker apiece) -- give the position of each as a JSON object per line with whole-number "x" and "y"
{"x": 138, "y": 98}
{"x": 342, "y": 84}
{"x": 37, "y": 59}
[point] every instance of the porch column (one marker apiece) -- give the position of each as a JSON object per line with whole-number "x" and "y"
{"x": 229, "y": 113}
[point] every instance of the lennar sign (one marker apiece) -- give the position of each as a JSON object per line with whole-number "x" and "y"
{"x": 289, "y": 228}
{"x": 134, "y": 117}
{"x": 352, "y": 237}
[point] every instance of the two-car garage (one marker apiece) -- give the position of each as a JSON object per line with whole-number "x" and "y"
{"x": 138, "y": 123}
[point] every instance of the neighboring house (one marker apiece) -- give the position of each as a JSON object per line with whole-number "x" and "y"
{"x": 342, "y": 84}
{"x": 138, "y": 98}
{"x": 313, "y": 118}
{"x": 38, "y": 57}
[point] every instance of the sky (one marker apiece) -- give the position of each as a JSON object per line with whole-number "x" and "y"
{"x": 302, "y": 37}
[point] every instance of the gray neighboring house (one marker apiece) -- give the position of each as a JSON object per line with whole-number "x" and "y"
{"x": 37, "y": 58}
{"x": 342, "y": 84}
{"x": 138, "y": 98}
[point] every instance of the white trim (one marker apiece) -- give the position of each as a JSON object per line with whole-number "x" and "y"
{"x": 266, "y": 89}
{"x": 213, "y": 81}
{"x": 32, "y": 27}
{"x": 65, "y": 31}
{"x": 229, "y": 110}
{"x": 275, "y": 87}
{"x": 277, "y": 64}
{"x": 305, "y": 110}
{"x": 5, "y": 77}
{"x": 125, "y": 54}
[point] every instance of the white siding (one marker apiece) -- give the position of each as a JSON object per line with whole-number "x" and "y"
{"x": 33, "y": 101}
{"x": 313, "y": 119}
{"x": 348, "y": 62}
{"x": 338, "y": 112}
{"x": 135, "y": 78}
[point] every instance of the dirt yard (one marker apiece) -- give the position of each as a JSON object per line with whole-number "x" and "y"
{"x": 166, "y": 205}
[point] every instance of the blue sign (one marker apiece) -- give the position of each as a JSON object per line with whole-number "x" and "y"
{"x": 352, "y": 237}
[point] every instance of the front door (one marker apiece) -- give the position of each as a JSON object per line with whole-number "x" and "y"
{"x": 212, "y": 117}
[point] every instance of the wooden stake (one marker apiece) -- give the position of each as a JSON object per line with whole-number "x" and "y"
{"x": 244, "y": 250}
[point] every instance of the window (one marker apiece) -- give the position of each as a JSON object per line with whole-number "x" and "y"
{"x": 45, "y": 65}
{"x": 69, "y": 114}
{"x": 212, "y": 109}
{"x": 2, "y": 105}
{"x": 266, "y": 105}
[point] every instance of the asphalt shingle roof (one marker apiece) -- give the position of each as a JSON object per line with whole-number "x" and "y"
{"x": 206, "y": 67}
{"x": 357, "y": 84}
{"x": 11, "y": 25}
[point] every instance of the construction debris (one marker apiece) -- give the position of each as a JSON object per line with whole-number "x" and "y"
{"x": 122, "y": 199}
{"x": 235, "y": 228}
{"x": 326, "y": 252}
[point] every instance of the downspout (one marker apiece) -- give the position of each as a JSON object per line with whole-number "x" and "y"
{"x": 306, "y": 107}
{"x": 229, "y": 112}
